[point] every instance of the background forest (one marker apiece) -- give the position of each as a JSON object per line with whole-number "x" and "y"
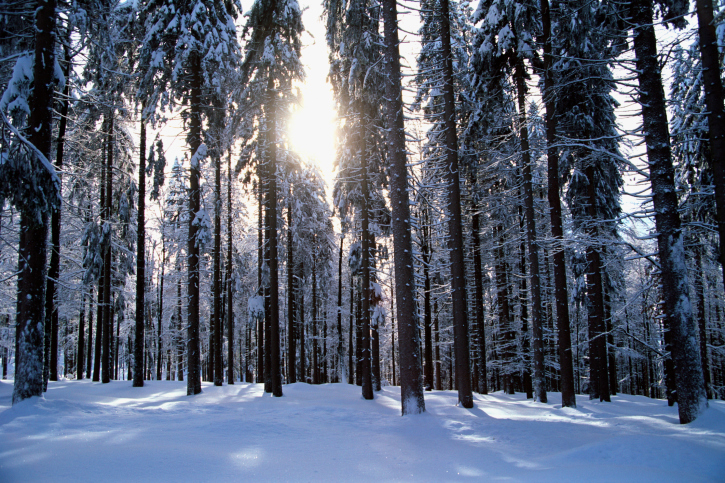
{"x": 535, "y": 206}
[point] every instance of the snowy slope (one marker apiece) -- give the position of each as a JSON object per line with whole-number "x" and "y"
{"x": 83, "y": 431}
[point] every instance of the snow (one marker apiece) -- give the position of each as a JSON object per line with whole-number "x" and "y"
{"x": 84, "y": 431}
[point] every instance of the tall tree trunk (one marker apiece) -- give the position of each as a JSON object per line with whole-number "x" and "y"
{"x": 712, "y": 83}
{"x": 140, "y": 258}
{"x": 313, "y": 331}
{"x": 455, "y": 223}
{"x": 427, "y": 320}
{"x": 691, "y": 397}
{"x": 340, "y": 341}
{"x": 531, "y": 242}
{"x": 230, "y": 306}
{"x": 101, "y": 287}
{"x": 568, "y": 394}
{"x": 179, "y": 331}
{"x": 260, "y": 263}
{"x": 89, "y": 351}
{"x": 599, "y": 374}
{"x": 217, "y": 271}
{"x": 350, "y": 345}
{"x": 411, "y": 381}
{"x": 160, "y": 318}
{"x": 291, "y": 344}
{"x": 33, "y": 229}
{"x": 193, "y": 358}
{"x": 275, "y": 361}
{"x": 477, "y": 301}
{"x": 81, "y": 350}
{"x": 107, "y": 259}
{"x": 702, "y": 318}
{"x": 366, "y": 361}
{"x": 51, "y": 292}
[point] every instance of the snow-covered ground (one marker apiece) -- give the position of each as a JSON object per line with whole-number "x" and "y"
{"x": 83, "y": 431}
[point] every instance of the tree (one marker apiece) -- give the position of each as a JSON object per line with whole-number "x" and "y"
{"x": 207, "y": 54}
{"x": 38, "y": 194}
{"x": 691, "y": 397}
{"x": 411, "y": 381}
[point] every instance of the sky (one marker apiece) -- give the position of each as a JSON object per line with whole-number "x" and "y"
{"x": 312, "y": 126}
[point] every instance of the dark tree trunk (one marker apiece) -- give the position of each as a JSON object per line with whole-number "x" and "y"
{"x": 477, "y": 302}
{"x": 179, "y": 334}
{"x": 427, "y": 321}
{"x": 51, "y": 292}
{"x": 568, "y": 395}
{"x": 599, "y": 375}
{"x": 411, "y": 381}
{"x": 303, "y": 373}
{"x": 532, "y": 242}
{"x": 89, "y": 351}
{"x": 455, "y": 223}
{"x": 366, "y": 361}
{"x": 313, "y": 330}
{"x": 217, "y": 274}
{"x": 291, "y": 344}
{"x": 107, "y": 322}
{"x": 140, "y": 259}
{"x": 33, "y": 232}
{"x": 260, "y": 262}
{"x": 193, "y": 358}
{"x": 691, "y": 397}
{"x": 81, "y": 350}
{"x": 340, "y": 341}
{"x": 525, "y": 339}
{"x": 230, "y": 306}
{"x": 275, "y": 360}
{"x": 712, "y": 82}
{"x": 350, "y": 345}
{"x": 436, "y": 328}
{"x": 160, "y": 318}
{"x": 702, "y": 318}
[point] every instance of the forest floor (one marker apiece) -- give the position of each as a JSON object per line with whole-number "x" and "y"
{"x": 84, "y": 431}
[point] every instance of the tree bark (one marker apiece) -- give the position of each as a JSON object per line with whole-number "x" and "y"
{"x": 193, "y": 358}
{"x": 291, "y": 344}
{"x": 107, "y": 259}
{"x": 531, "y": 242}
{"x": 568, "y": 395}
{"x": 712, "y": 83}
{"x": 34, "y": 231}
{"x": 411, "y": 381}
{"x": 455, "y": 223}
{"x": 230, "y": 306}
{"x": 691, "y": 397}
{"x": 140, "y": 258}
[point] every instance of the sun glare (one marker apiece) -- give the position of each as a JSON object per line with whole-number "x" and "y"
{"x": 312, "y": 127}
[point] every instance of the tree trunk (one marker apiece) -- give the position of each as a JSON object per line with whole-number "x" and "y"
{"x": 193, "y": 358}
{"x": 140, "y": 258}
{"x": 275, "y": 361}
{"x": 350, "y": 346}
{"x": 51, "y": 292}
{"x": 160, "y": 318}
{"x": 691, "y": 397}
{"x": 291, "y": 344}
{"x": 411, "y": 381}
{"x": 532, "y": 242}
{"x": 477, "y": 302}
{"x": 568, "y": 395}
{"x": 34, "y": 231}
{"x": 366, "y": 361}
{"x": 107, "y": 259}
{"x": 428, "y": 320}
{"x": 455, "y": 223}
{"x": 89, "y": 351}
{"x": 81, "y": 350}
{"x": 340, "y": 341}
{"x": 712, "y": 83}
{"x": 217, "y": 271}
{"x": 230, "y": 306}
